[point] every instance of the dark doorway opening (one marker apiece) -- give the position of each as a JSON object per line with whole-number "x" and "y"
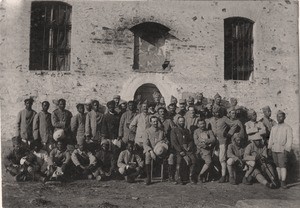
{"x": 146, "y": 91}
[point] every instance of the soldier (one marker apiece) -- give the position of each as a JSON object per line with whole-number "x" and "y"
{"x": 268, "y": 122}
{"x": 217, "y": 102}
{"x": 200, "y": 108}
{"x": 191, "y": 119}
{"x": 130, "y": 164}
{"x": 25, "y": 122}
{"x": 93, "y": 126}
{"x": 182, "y": 142}
{"x": 280, "y": 143}
{"x": 78, "y": 124}
{"x": 42, "y": 127}
{"x": 254, "y": 128}
{"x": 117, "y": 99}
{"x": 190, "y": 102}
{"x": 88, "y": 105}
{"x": 172, "y": 111}
{"x": 181, "y": 111}
{"x": 232, "y": 115}
{"x": 205, "y": 141}
{"x": 61, "y": 119}
{"x": 138, "y": 125}
{"x": 235, "y": 154}
{"x": 126, "y": 119}
{"x": 151, "y": 137}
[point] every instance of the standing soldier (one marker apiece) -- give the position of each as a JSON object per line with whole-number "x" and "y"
{"x": 139, "y": 124}
{"x": 204, "y": 140}
{"x": 61, "y": 119}
{"x": 117, "y": 99}
{"x": 268, "y": 122}
{"x": 182, "y": 142}
{"x": 42, "y": 127}
{"x": 191, "y": 120}
{"x": 232, "y": 115}
{"x": 88, "y": 105}
{"x": 281, "y": 139}
{"x": 25, "y": 122}
{"x": 78, "y": 124}
{"x": 93, "y": 124}
{"x": 126, "y": 118}
{"x": 217, "y": 102}
{"x": 181, "y": 111}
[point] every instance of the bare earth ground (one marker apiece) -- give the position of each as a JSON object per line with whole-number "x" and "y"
{"x": 113, "y": 194}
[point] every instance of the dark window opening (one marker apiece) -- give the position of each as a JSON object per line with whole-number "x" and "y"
{"x": 238, "y": 36}
{"x": 50, "y": 35}
{"x": 151, "y": 47}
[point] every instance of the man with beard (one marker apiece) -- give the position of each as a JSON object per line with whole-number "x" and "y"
{"x": 25, "y": 122}
{"x": 182, "y": 142}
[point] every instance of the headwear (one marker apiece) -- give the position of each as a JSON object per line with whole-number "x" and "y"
{"x": 111, "y": 103}
{"x": 173, "y": 99}
{"x": 16, "y": 140}
{"x": 232, "y": 108}
{"x": 116, "y": 97}
{"x": 233, "y": 99}
{"x": 280, "y": 112}
{"x": 199, "y": 95}
{"x": 160, "y": 148}
{"x": 266, "y": 108}
{"x": 145, "y": 102}
{"x": 182, "y": 101}
{"x": 28, "y": 100}
{"x": 59, "y": 134}
{"x": 88, "y": 101}
{"x": 217, "y": 96}
{"x": 122, "y": 102}
{"x": 251, "y": 112}
{"x": 191, "y": 99}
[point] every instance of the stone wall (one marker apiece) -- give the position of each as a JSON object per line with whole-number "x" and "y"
{"x": 102, "y": 55}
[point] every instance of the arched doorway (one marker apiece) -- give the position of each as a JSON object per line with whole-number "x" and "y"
{"x": 146, "y": 91}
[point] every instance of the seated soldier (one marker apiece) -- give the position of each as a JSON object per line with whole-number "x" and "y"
{"x": 12, "y": 161}
{"x": 105, "y": 162}
{"x": 183, "y": 144}
{"x": 41, "y": 158}
{"x": 59, "y": 166}
{"x": 204, "y": 140}
{"x": 235, "y": 153}
{"x": 256, "y": 158}
{"x": 151, "y": 137}
{"x": 84, "y": 161}
{"x": 129, "y": 163}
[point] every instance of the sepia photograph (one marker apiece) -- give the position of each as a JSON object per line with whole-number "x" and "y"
{"x": 150, "y": 103}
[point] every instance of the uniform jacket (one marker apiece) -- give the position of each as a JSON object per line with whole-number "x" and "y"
{"x": 42, "y": 127}
{"x": 281, "y": 138}
{"x": 83, "y": 158}
{"x": 181, "y": 140}
{"x": 93, "y": 124}
{"x": 151, "y": 137}
{"x": 25, "y": 124}
{"x": 125, "y": 121}
{"x": 58, "y": 158}
{"x": 110, "y": 125}
{"x": 255, "y": 130}
{"x": 252, "y": 151}
{"x": 78, "y": 126}
{"x": 202, "y": 138}
{"x": 140, "y": 123}
{"x": 126, "y": 158}
{"x": 235, "y": 152}
{"x": 61, "y": 119}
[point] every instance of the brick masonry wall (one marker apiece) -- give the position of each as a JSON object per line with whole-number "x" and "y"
{"x": 102, "y": 55}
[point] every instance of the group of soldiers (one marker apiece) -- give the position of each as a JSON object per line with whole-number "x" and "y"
{"x": 201, "y": 138}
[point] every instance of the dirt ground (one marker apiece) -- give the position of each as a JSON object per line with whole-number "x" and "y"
{"x": 113, "y": 194}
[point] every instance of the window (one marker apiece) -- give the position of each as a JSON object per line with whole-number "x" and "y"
{"x": 238, "y": 48}
{"x": 151, "y": 47}
{"x": 50, "y": 34}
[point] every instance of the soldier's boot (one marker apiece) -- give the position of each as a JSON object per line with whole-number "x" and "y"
{"x": 148, "y": 172}
{"x": 171, "y": 173}
{"x": 177, "y": 175}
{"x": 193, "y": 174}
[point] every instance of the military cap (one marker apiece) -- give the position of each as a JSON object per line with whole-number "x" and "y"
{"x": 232, "y": 108}
{"x": 28, "y": 100}
{"x": 182, "y": 101}
{"x": 280, "y": 112}
{"x": 111, "y": 103}
{"x": 266, "y": 108}
{"x": 122, "y": 102}
{"x": 116, "y": 97}
{"x": 233, "y": 99}
{"x": 173, "y": 99}
{"x": 217, "y": 96}
{"x": 251, "y": 112}
{"x": 88, "y": 101}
